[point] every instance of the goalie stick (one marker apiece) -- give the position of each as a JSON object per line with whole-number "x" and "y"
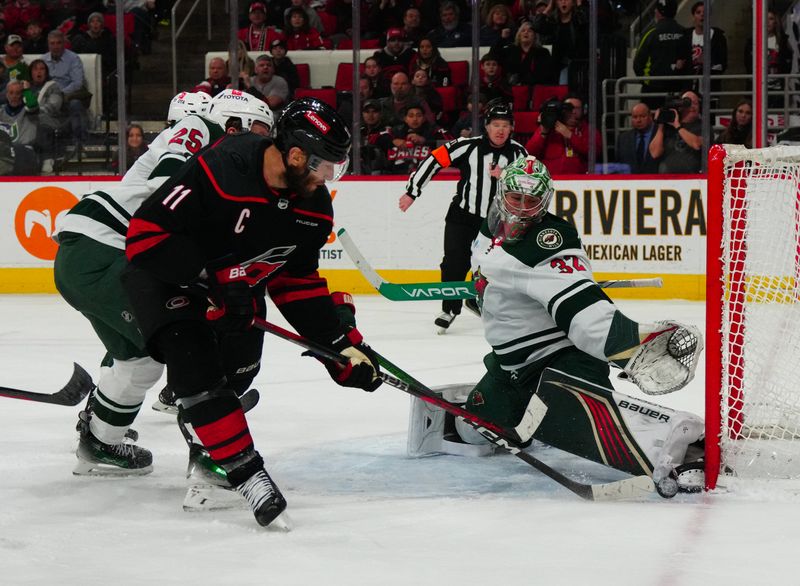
{"x": 76, "y": 389}
{"x": 446, "y": 289}
{"x": 498, "y": 435}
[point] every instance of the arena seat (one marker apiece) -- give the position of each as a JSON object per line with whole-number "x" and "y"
{"x": 460, "y": 72}
{"x": 525, "y": 124}
{"x": 542, "y": 93}
{"x": 365, "y": 44}
{"x": 522, "y": 97}
{"x": 304, "y": 74}
{"x": 327, "y": 95}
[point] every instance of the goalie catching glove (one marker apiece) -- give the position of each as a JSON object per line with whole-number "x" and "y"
{"x": 666, "y": 358}
{"x": 234, "y": 306}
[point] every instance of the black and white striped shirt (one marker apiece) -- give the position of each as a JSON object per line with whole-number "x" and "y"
{"x": 474, "y": 158}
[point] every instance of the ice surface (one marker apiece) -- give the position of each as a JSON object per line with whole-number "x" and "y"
{"x": 365, "y": 514}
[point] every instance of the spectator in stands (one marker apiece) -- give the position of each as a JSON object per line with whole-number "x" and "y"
{"x": 16, "y": 68}
{"x": 345, "y": 99}
{"x": 18, "y": 13}
{"x": 372, "y": 158}
{"x": 259, "y": 35}
{"x": 218, "y": 78}
{"x": 567, "y": 25}
{"x": 463, "y": 126}
{"x": 390, "y": 12}
{"x": 284, "y": 66}
{"x": 524, "y": 62}
{"x": 429, "y": 59}
{"x": 499, "y": 28}
{"x": 413, "y": 31}
{"x": 561, "y": 141}
{"x": 693, "y": 46}
{"x": 393, "y": 108}
{"x": 374, "y": 73}
{"x": 395, "y": 56}
{"x": 300, "y": 36}
{"x": 451, "y": 32}
{"x": 135, "y": 147}
{"x": 35, "y": 43}
{"x": 143, "y": 23}
{"x": 44, "y": 94}
{"x": 407, "y": 144}
{"x": 97, "y": 39}
{"x": 267, "y": 86}
{"x": 246, "y": 66}
{"x": 660, "y": 54}
{"x": 312, "y": 18}
{"x": 779, "y": 58}
{"x": 740, "y": 126}
{"x": 493, "y": 82}
{"x": 424, "y": 92}
{"x": 633, "y": 145}
{"x": 66, "y": 70}
{"x": 678, "y": 141}
{"x": 527, "y": 10}
{"x": 20, "y": 123}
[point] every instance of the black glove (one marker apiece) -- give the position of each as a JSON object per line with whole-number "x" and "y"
{"x": 362, "y": 369}
{"x": 234, "y": 305}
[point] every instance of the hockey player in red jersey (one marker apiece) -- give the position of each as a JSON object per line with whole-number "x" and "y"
{"x": 246, "y": 216}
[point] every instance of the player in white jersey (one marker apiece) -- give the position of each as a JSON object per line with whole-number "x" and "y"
{"x": 554, "y": 333}
{"x": 91, "y": 257}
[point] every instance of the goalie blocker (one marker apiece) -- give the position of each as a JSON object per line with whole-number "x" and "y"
{"x": 584, "y": 419}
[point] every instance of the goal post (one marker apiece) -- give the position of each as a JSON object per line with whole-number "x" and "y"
{"x": 753, "y": 313}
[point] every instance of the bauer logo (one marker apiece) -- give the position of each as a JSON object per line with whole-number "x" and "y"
{"x": 317, "y": 121}
{"x": 549, "y": 239}
{"x": 36, "y": 219}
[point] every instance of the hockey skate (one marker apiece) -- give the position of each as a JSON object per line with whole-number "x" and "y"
{"x": 443, "y": 321}
{"x": 266, "y": 501}
{"x": 208, "y": 487}
{"x": 166, "y": 402}
{"x": 96, "y": 458}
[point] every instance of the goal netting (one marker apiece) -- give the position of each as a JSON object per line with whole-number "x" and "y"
{"x": 753, "y": 313}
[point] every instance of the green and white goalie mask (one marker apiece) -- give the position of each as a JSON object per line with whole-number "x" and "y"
{"x": 524, "y": 191}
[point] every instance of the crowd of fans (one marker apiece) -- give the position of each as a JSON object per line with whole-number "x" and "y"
{"x": 410, "y": 99}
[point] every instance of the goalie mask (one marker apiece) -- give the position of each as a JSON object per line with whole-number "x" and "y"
{"x": 230, "y": 106}
{"x": 186, "y": 103}
{"x": 524, "y": 191}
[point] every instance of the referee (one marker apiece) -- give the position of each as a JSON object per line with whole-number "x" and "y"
{"x": 480, "y": 160}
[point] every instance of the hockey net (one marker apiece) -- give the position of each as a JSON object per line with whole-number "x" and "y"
{"x": 753, "y": 313}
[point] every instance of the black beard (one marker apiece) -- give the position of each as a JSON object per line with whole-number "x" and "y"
{"x": 298, "y": 182}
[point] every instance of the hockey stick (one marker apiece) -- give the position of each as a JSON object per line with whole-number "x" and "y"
{"x": 446, "y": 289}
{"x": 76, "y": 389}
{"x": 498, "y": 435}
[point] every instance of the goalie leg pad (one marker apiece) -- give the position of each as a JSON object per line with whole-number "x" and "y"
{"x": 426, "y": 428}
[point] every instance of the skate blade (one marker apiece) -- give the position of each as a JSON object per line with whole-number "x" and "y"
{"x": 86, "y": 468}
{"x": 440, "y": 331}
{"x": 208, "y": 497}
{"x": 164, "y": 408}
{"x": 282, "y": 523}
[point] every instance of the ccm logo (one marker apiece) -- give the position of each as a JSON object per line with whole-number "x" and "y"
{"x": 314, "y": 119}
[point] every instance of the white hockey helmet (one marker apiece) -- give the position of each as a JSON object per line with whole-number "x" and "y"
{"x": 186, "y": 103}
{"x": 240, "y": 105}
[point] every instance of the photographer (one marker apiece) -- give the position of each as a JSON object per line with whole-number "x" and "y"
{"x": 562, "y": 140}
{"x": 678, "y": 139}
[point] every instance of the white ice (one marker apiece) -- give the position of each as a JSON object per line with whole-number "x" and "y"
{"x": 365, "y": 514}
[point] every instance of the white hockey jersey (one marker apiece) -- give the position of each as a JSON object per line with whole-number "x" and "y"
{"x": 538, "y": 295}
{"x": 104, "y": 215}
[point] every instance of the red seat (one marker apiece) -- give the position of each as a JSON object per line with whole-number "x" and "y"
{"x": 344, "y": 76}
{"x": 365, "y": 44}
{"x": 128, "y": 22}
{"x": 329, "y": 22}
{"x": 449, "y": 96}
{"x": 459, "y": 71}
{"x": 303, "y": 74}
{"x": 542, "y": 93}
{"x": 522, "y": 97}
{"x": 327, "y": 95}
{"x": 525, "y": 124}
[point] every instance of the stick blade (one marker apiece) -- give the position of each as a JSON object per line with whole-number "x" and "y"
{"x": 629, "y": 488}
{"x": 76, "y": 388}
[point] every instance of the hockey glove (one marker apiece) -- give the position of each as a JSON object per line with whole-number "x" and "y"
{"x": 362, "y": 369}
{"x": 234, "y": 305}
{"x": 345, "y": 308}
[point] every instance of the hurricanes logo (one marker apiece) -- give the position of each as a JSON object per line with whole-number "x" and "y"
{"x": 549, "y": 239}
{"x": 36, "y": 218}
{"x": 317, "y": 121}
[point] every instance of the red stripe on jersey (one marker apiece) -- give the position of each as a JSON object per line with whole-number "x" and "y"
{"x": 147, "y": 235}
{"x": 284, "y": 289}
{"x": 289, "y": 296}
{"x": 210, "y": 175}
{"x": 315, "y": 215}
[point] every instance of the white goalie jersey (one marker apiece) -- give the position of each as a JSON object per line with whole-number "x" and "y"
{"x": 539, "y": 296}
{"x": 104, "y": 215}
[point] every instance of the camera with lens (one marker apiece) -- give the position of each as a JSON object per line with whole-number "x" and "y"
{"x": 552, "y": 111}
{"x": 666, "y": 115}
